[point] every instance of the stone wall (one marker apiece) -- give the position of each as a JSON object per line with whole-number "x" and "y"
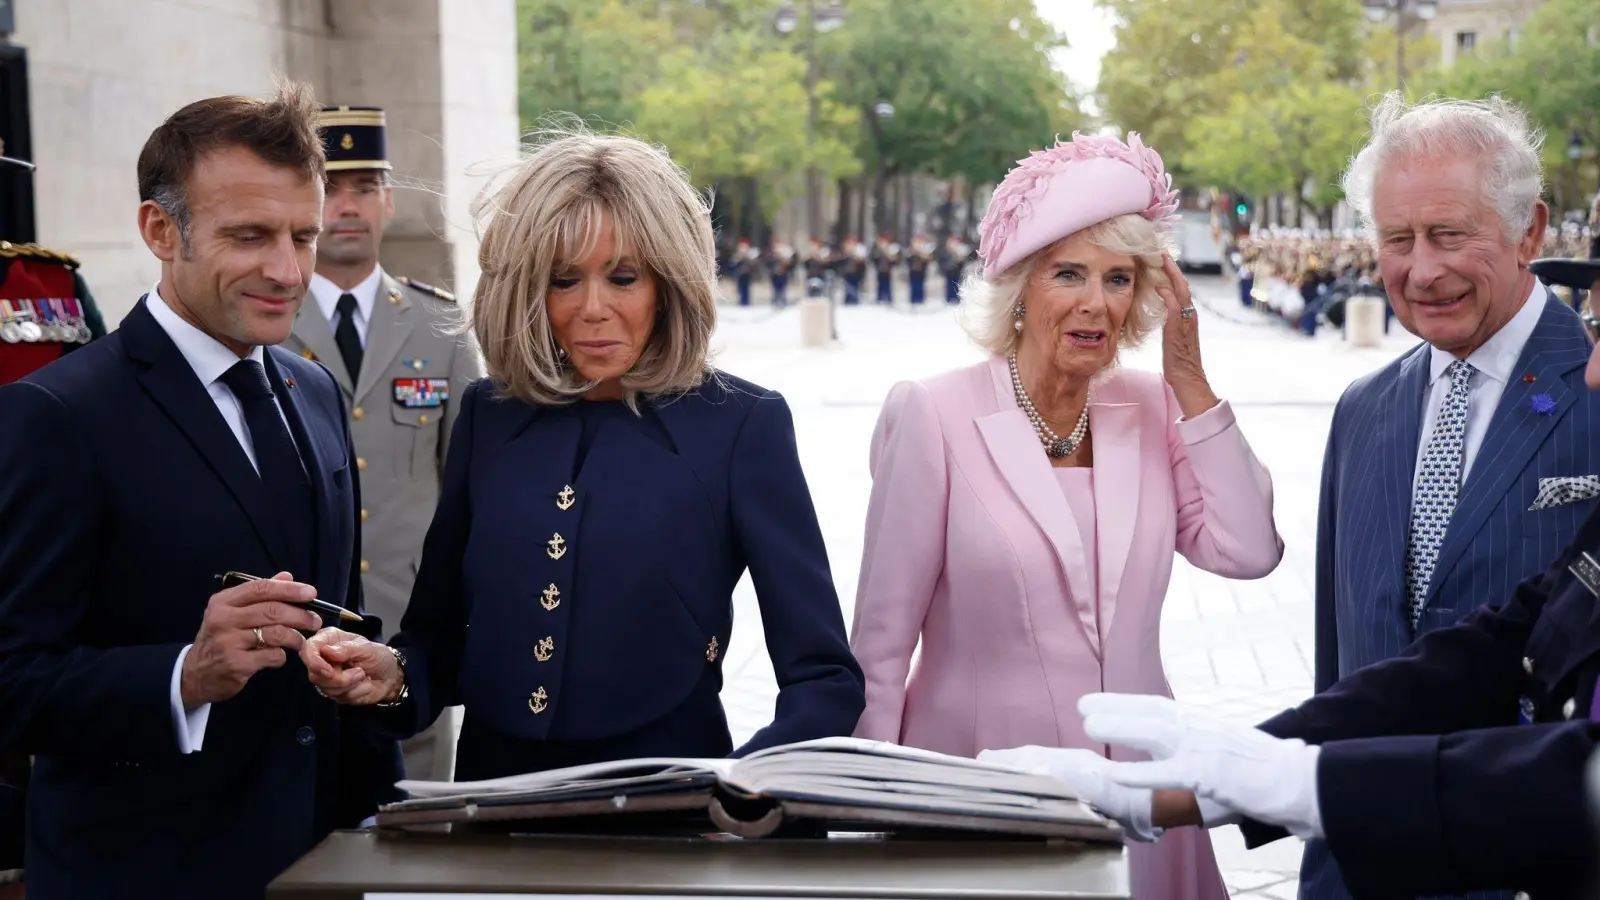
{"x": 104, "y": 73}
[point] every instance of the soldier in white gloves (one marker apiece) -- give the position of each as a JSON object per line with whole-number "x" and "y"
{"x": 1457, "y": 766}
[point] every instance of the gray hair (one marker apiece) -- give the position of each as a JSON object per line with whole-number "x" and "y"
{"x": 1496, "y": 132}
{"x": 174, "y": 203}
{"x": 989, "y": 307}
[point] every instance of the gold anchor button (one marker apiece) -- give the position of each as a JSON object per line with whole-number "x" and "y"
{"x": 558, "y": 547}
{"x": 539, "y": 701}
{"x": 564, "y": 499}
{"x": 545, "y": 649}
{"x": 551, "y": 598}
{"x": 711, "y": 651}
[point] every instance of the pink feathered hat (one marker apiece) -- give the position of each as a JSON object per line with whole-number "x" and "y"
{"x": 1069, "y": 187}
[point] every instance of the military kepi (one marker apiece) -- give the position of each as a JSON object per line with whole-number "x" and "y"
{"x": 354, "y": 138}
{"x": 1578, "y": 274}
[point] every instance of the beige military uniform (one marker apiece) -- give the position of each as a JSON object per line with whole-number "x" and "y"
{"x": 402, "y": 406}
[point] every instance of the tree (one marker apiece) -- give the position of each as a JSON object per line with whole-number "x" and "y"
{"x": 1290, "y": 125}
{"x": 731, "y": 118}
{"x": 1553, "y": 71}
{"x": 1181, "y": 67}
{"x": 584, "y": 57}
{"x": 713, "y": 80}
{"x": 970, "y": 83}
{"x": 1156, "y": 79}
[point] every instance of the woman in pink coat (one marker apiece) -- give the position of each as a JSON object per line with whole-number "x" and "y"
{"x": 1025, "y": 511}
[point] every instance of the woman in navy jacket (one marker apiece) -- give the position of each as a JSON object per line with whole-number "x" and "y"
{"x": 604, "y": 493}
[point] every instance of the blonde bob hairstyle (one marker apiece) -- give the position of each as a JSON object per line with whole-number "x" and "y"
{"x": 544, "y": 215}
{"x": 991, "y": 305}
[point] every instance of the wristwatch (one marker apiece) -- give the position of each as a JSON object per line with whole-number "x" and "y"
{"x": 405, "y": 689}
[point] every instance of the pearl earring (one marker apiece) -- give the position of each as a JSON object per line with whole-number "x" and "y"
{"x": 1017, "y": 311}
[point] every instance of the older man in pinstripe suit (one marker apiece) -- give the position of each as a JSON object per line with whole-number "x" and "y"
{"x": 1467, "y": 464}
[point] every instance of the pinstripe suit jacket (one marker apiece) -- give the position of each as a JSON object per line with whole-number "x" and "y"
{"x": 1494, "y": 540}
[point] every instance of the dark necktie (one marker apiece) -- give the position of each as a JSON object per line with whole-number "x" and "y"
{"x": 278, "y": 462}
{"x": 346, "y": 337}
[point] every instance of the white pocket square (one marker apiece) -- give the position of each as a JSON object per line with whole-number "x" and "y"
{"x": 1561, "y": 491}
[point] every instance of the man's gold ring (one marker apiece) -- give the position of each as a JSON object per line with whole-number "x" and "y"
{"x": 1187, "y": 312}
{"x": 261, "y": 639}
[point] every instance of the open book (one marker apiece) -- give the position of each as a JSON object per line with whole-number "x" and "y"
{"x": 835, "y": 783}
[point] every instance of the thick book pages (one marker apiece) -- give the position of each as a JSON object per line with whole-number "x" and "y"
{"x": 835, "y": 782}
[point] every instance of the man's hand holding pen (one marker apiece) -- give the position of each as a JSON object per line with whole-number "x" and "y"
{"x": 348, "y": 668}
{"x": 245, "y": 629}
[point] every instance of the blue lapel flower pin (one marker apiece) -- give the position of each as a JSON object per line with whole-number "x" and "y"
{"x": 1543, "y": 404}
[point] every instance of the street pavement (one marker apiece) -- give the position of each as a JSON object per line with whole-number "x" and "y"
{"x": 1241, "y": 649}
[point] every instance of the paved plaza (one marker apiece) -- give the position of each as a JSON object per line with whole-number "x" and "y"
{"x": 1241, "y": 649}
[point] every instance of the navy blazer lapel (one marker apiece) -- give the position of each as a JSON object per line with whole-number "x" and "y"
{"x": 314, "y": 455}
{"x": 172, "y": 384}
{"x": 1399, "y": 430}
{"x": 1557, "y": 346}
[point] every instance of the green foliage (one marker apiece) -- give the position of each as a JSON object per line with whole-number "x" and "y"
{"x": 714, "y": 81}
{"x": 1554, "y": 72}
{"x": 584, "y": 57}
{"x": 1260, "y": 96}
{"x": 733, "y": 116}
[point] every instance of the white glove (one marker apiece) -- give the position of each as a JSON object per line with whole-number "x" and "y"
{"x": 1085, "y": 774}
{"x": 1237, "y": 766}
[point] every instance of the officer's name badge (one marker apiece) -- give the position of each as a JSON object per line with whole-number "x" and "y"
{"x": 1587, "y": 571}
{"x": 418, "y": 392}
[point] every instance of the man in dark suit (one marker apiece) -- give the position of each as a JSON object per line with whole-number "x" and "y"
{"x": 1464, "y": 466}
{"x": 180, "y": 750}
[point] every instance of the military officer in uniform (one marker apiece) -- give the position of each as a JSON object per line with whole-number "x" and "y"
{"x": 1579, "y": 276}
{"x": 46, "y": 310}
{"x": 385, "y": 340}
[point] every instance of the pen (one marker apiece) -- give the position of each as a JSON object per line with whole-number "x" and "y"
{"x": 321, "y": 606}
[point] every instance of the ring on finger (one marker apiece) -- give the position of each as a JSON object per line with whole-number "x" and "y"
{"x": 1187, "y": 312}
{"x": 261, "y": 639}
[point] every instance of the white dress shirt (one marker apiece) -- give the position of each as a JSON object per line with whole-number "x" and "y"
{"x": 209, "y": 359}
{"x": 327, "y": 295}
{"x": 1495, "y": 365}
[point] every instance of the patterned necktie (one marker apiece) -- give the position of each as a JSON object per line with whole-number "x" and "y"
{"x": 1433, "y": 501}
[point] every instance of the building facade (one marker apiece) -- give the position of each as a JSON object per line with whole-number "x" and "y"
{"x": 1463, "y": 26}
{"x": 102, "y": 74}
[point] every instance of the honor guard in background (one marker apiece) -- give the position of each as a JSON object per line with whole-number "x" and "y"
{"x": 742, "y": 268}
{"x": 917, "y": 262}
{"x": 885, "y": 259}
{"x": 952, "y": 263}
{"x": 45, "y": 306}
{"x": 853, "y": 269}
{"x": 782, "y": 263}
{"x": 1594, "y": 227}
{"x": 385, "y": 339}
{"x": 818, "y": 264}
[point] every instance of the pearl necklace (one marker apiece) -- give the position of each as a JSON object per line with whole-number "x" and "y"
{"x": 1056, "y": 447}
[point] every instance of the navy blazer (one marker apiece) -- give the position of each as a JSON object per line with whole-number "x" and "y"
{"x": 124, "y": 493}
{"x": 583, "y": 614}
{"x": 1494, "y": 539}
{"x": 1428, "y": 783}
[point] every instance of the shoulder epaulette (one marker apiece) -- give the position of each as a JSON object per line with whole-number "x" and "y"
{"x": 34, "y": 251}
{"x": 441, "y": 293}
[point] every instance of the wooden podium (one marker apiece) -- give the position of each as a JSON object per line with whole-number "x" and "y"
{"x": 389, "y": 865}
